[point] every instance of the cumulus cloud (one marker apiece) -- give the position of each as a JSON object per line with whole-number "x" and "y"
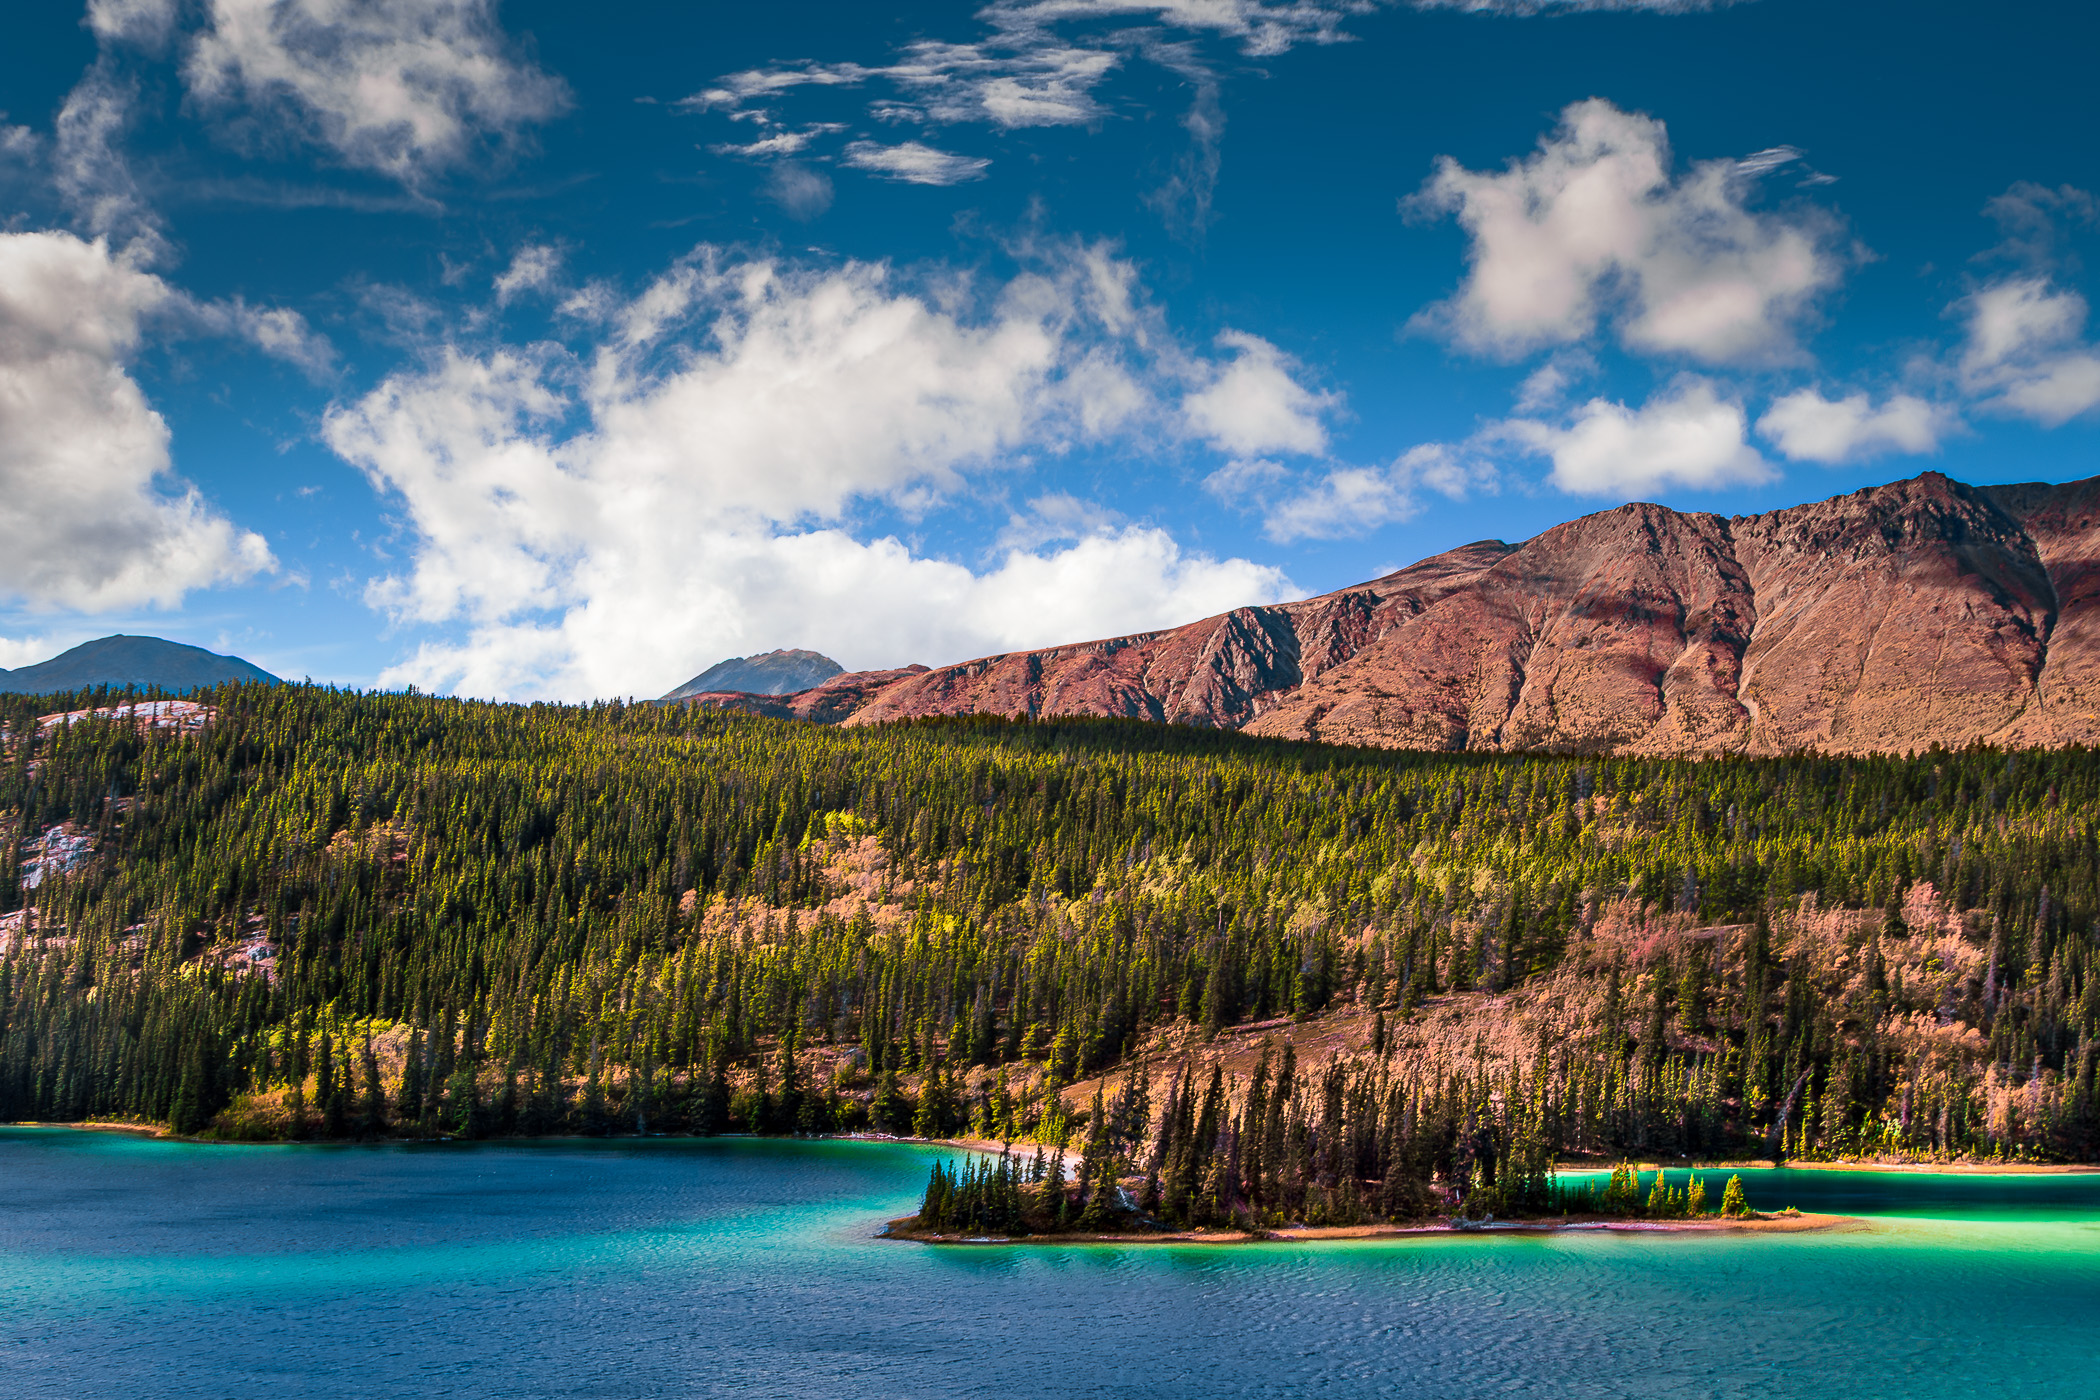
{"x": 1687, "y": 436}
{"x": 93, "y": 516}
{"x": 1594, "y": 225}
{"x": 403, "y": 87}
{"x": 915, "y": 163}
{"x": 1255, "y": 404}
{"x": 2025, "y": 353}
{"x": 731, "y": 420}
{"x": 1808, "y": 427}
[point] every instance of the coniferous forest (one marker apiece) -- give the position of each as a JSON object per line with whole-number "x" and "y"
{"x": 1253, "y": 979}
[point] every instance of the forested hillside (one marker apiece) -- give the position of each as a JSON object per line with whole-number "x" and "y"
{"x": 301, "y": 912}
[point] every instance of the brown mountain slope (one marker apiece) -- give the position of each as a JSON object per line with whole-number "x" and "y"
{"x": 1883, "y": 620}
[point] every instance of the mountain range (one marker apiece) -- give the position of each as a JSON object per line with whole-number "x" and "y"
{"x": 144, "y": 662}
{"x": 1885, "y": 620}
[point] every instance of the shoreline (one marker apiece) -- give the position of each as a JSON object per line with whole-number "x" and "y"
{"x": 993, "y": 1148}
{"x": 1774, "y": 1224}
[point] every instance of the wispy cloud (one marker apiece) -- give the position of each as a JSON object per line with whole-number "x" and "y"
{"x": 780, "y": 143}
{"x": 1346, "y": 501}
{"x": 915, "y": 163}
{"x": 1043, "y": 63}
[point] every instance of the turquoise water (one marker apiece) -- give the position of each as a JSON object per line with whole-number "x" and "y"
{"x": 676, "y": 1268}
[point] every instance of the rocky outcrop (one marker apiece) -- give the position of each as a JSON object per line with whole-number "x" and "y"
{"x": 1889, "y": 619}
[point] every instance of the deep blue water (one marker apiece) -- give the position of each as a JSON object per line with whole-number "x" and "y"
{"x": 676, "y": 1268}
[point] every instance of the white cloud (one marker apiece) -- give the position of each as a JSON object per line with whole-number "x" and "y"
{"x": 92, "y": 516}
{"x": 1255, "y": 404}
{"x": 531, "y": 269}
{"x": 1593, "y": 224}
{"x": 735, "y": 415}
{"x": 2026, "y": 355}
{"x": 782, "y": 142}
{"x": 1347, "y": 501}
{"x": 1687, "y": 436}
{"x": 403, "y": 87}
{"x": 1807, "y": 427}
{"x": 915, "y": 163}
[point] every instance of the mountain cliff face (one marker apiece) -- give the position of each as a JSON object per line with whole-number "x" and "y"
{"x": 1884, "y": 620}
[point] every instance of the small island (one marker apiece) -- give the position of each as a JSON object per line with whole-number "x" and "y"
{"x": 1008, "y": 1200}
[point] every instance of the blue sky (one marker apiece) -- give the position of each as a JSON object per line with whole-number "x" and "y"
{"x": 551, "y": 351}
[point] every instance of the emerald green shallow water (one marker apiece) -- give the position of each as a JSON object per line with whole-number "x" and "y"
{"x": 672, "y": 1268}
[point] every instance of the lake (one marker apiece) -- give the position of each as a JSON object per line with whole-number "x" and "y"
{"x": 736, "y": 1267}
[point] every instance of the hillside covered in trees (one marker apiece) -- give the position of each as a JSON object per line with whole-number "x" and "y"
{"x": 1271, "y": 979}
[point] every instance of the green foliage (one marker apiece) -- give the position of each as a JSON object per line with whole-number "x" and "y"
{"x": 985, "y": 1197}
{"x": 488, "y": 919}
{"x": 1622, "y": 1197}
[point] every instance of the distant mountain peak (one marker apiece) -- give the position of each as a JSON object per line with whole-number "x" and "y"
{"x": 783, "y": 672}
{"x": 144, "y": 662}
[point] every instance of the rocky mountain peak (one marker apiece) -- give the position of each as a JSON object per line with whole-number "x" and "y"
{"x": 1918, "y": 612}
